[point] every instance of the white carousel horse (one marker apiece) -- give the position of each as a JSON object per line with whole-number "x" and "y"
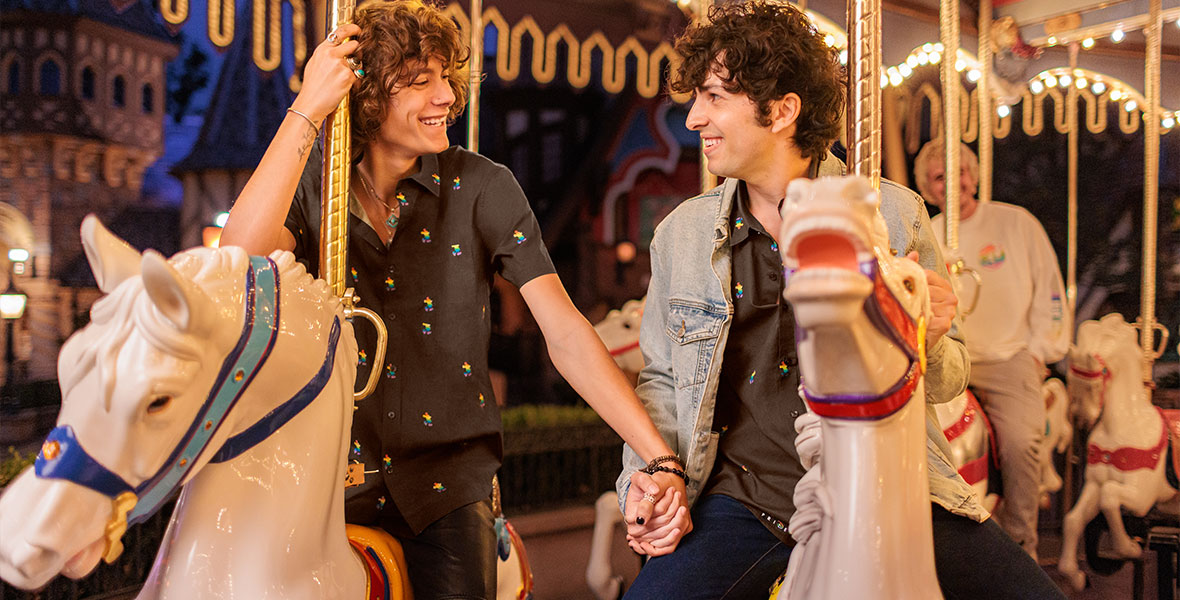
{"x": 863, "y": 521}
{"x": 970, "y": 436}
{"x": 1126, "y": 451}
{"x": 231, "y": 376}
{"x": 619, "y": 331}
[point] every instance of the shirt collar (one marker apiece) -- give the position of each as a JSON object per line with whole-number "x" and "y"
{"x": 741, "y": 221}
{"x": 428, "y": 175}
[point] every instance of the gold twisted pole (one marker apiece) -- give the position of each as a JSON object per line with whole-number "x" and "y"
{"x": 1071, "y": 249}
{"x": 337, "y": 169}
{"x": 983, "y": 93}
{"x": 1151, "y": 151}
{"x": 476, "y": 68}
{"x": 334, "y": 212}
{"x": 948, "y": 25}
{"x": 864, "y": 95}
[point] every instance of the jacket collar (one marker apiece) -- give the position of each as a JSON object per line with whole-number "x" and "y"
{"x": 830, "y": 166}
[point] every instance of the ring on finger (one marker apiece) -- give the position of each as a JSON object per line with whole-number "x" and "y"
{"x": 649, "y": 498}
{"x": 359, "y": 73}
{"x": 333, "y": 39}
{"x": 353, "y": 62}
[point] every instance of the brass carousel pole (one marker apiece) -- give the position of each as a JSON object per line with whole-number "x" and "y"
{"x": 1151, "y": 150}
{"x": 708, "y": 180}
{"x": 864, "y": 94}
{"x": 983, "y": 94}
{"x": 1071, "y": 251}
{"x": 334, "y": 196}
{"x": 476, "y": 67}
{"x": 948, "y": 17}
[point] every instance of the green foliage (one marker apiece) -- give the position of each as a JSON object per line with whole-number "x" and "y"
{"x": 13, "y": 464}
{"x": 532, "y": 416}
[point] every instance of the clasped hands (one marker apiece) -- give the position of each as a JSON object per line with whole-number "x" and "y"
{"x": 656, "y": 513}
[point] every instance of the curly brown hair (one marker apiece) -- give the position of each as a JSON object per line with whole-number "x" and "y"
{"x": 767, "y": 50}
{"x": 395, "y": 39}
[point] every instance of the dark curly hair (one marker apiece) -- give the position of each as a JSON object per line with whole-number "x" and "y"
{"x": 768, "y": 50}
{"x": 395, "y": 38}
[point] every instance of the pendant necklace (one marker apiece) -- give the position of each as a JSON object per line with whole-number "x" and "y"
{"x": 390, "y": 222}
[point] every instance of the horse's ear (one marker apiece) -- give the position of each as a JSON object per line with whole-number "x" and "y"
{"x": 177, "y": 298}
{"x": 112, "y": 260}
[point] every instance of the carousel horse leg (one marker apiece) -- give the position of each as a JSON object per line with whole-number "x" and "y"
{"x": 1083, "y": 511}
{"x": 1115, "y": 495}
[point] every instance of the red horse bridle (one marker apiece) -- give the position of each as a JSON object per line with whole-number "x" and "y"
{"x": 1104, "y": 374}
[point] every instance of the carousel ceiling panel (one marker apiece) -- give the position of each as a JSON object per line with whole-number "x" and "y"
{"x": 1041, "y": 19}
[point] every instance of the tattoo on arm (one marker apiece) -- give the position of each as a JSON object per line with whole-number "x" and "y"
{"x": 309, "y": 135}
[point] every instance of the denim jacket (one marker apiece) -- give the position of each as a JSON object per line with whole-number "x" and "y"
{"x": 686, "y": 324}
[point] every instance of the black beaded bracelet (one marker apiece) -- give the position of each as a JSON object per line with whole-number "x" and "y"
{"x": 653, "y": 469}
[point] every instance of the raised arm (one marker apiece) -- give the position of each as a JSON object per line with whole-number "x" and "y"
{"x": 256, "y": 219}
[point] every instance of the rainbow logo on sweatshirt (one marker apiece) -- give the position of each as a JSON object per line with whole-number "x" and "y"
{"x": 991, "y": 256}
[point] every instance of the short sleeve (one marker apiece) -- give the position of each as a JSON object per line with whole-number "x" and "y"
{"x": 303, "y": 217}
{"x": 509, "y": 230}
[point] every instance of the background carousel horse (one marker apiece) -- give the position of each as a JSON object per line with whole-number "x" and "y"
{"x": 973, "y": 447}
{"x": 1126, "y": 454}
{"x": 230, "y": 375}
{"x": 863, "y": 519}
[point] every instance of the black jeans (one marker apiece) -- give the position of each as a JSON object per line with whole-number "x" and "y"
{"x": 454, "y": 558}
{"x": 979, "y": 561}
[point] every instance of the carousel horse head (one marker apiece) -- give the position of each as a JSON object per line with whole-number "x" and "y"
{"x": 1104, "y": 349}
{"x": 839, "y": 270}
{"x": 149, "y": 389}
{"x": 620, "y": 332}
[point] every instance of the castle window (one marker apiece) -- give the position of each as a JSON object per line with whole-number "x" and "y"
{"x": 14, "y": 78}
{"x": 88, "y": 83}
{"x": 149, "y": 99}
{"x": 119, "y": 91}
{"x": 50, "y": 78}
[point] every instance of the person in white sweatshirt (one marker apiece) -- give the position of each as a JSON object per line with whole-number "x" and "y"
{"x": 1020, "y": 323}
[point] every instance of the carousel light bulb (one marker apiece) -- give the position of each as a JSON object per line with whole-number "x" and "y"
{"x": 912, "y": 60}
{"x": 1177, "y": 23}
{"x": 895, "y": 79}
{"x": 938, "y": 47}
{"x": 923, "y": 58}
{"x": 973, "y": 75}
{"x": 905, "y": 69}
{"x": 960, "y": 64}
{"x": 1168, "y": 123}
{"x": 1003, "y": 110}
{"x": 927, "y": 47}
{"x": 1117, "y": 36}
{"x": 1052, "y": 40}
{"x": 884, "y": 80}
{"x": 1050, "y": 81}
{"x": 1098, "y": 88}
{"x": 935, "y": 58}
{"x": 1116, "y": 95}
{"x": 1088, "y": 43}
{"x": 1064, "y": 80}
{"x": 830, "y": 40}
{"x": 1036, "y": 86}
{"x": 844, "y": 56}
{"x": 1081, "y": 83}
{"x": 1130, "y": 106}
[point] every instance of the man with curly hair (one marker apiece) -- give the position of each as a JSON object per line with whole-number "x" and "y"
{"x": 429, "y": 226}
{"x": 718, "y": 339}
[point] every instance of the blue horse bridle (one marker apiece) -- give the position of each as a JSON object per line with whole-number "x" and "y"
{"x": 62, "y": 456}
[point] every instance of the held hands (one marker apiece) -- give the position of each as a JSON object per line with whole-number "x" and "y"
{"x": 942, "y": 304}
{"x": 329, "y": 74}
{"x": 656, "y": 513}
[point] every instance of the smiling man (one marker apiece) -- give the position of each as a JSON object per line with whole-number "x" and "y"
{"x": 429, "y": 227}
{"x": 719, "y": 339}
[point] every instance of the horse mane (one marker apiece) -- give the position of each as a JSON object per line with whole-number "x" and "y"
{"x": 128, "y": 309}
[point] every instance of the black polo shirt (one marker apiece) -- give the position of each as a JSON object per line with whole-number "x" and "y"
{"x": 758, "y": 398}
{"x": 430, "y": 436}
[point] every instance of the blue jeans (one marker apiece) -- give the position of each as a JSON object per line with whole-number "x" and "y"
{"x": 979, "y": 561}
{"x": 728, "y": 554}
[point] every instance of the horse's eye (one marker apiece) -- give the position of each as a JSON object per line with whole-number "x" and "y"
{"x": 158, "y": 404}
{"x": 909, "y": 284}
{"x": 626, "y": 326}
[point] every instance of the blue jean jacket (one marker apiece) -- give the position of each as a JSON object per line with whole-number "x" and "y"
{"x": 686, "y": 324}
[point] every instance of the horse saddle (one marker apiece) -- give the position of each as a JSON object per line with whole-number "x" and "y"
{"x": 385, "y": 563}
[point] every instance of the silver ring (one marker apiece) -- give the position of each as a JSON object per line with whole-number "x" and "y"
{"x": 353, "y": 62}
{"x": 649, "y": 498}
{"x": 333, "y": 38}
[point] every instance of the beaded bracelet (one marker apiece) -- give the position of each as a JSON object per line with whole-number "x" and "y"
{"x": 658, "y": 469}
